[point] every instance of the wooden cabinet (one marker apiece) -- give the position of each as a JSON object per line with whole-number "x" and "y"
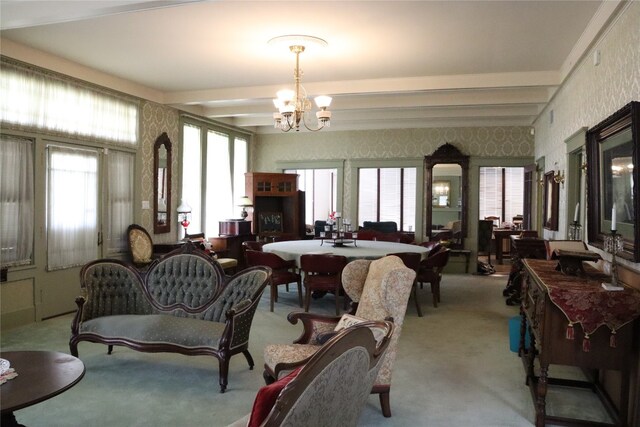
{"x": 233, "y": 227}
{"x": 278, "y": 206}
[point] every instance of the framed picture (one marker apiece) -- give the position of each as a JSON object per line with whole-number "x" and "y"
{"x": 613, "y": 155}
{"x": 270, "y": 222}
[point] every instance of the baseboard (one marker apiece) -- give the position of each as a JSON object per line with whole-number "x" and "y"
{"x": 18, "y": 318}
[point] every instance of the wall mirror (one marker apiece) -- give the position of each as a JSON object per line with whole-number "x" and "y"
{"x": 551, "y": 201}
{"x": 162, "y": 184}
{"x": 613, "y": 154}
{"x": 446, "y": 168}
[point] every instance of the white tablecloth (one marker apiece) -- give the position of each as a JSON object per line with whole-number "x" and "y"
{"x": 365, "y": 249}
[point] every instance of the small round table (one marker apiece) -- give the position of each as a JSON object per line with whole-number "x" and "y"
{"x": 41, "y": 375}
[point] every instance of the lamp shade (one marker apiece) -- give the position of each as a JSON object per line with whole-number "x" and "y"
{"x": 184, "y": 207}
{"x": 245, "y": 201}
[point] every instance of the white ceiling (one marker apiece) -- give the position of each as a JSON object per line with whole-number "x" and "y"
{"x": 388, "y": 64}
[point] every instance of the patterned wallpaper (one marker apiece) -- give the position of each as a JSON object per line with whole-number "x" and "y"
{"x": 592, "y": 93}
{"x": 156, "y": 119}
{"x": 386, "y": 144}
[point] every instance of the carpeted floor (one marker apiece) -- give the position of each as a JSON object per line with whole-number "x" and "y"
{"x": 454, "y": 368}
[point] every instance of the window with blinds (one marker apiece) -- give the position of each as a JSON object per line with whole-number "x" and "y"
{"x": 387, "y": 194}
{"x": 501, "y": 192}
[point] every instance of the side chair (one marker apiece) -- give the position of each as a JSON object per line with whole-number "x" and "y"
{"x": 322, "y": 272}
{"x": 431, "y": 272}
{"x": 284, "y": 272}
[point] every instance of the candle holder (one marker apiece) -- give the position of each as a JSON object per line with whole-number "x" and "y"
{"x": 575, "y": 231}
{"x": 613, "y": 243}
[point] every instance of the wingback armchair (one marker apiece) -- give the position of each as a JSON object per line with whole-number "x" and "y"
{"x": 331, "y": 389}
{"x": 379, "y": 290}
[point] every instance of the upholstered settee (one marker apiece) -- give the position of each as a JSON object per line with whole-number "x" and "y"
{"x": 183, "y": 305}
{"x": 379, "y": 290}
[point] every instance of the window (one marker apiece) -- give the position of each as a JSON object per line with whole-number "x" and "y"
{"x": 214, "y": 162}
{"x": 387, "y": 194}
{"x": 119, "y": 194}
{"x": 501, "y": 192}
{"x": 320, "y": 188}
{"x": 40, "y": 100}
{"x": 16, "y": 200}
{"x": 72, "y": 208}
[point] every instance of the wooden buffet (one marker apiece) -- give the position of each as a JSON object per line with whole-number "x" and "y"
{"x": 553, "y": 341}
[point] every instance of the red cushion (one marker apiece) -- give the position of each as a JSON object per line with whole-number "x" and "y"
{"x": 267, "y": 397}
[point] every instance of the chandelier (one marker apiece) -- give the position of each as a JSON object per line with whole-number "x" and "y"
{"x": 293, "y": 105}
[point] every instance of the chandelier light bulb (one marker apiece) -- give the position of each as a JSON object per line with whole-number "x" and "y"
{"x": 323, "y": 101}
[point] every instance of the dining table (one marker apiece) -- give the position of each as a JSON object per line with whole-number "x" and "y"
{"x": 358, "y": 249}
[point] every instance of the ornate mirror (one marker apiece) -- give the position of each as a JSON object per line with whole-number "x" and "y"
{"x": 446, "y": 193}
{"x": 613, "y": 155}
{"x": 162, "y": 184}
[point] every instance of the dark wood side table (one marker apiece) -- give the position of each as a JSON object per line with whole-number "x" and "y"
{"x": 41, "y": 376}
{"x": 551, "y": 344}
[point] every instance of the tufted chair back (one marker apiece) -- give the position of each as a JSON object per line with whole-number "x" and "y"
{"x": 381, "y": 288}
{"x": 111, "y": 288}
{"x": 185, "y": 281}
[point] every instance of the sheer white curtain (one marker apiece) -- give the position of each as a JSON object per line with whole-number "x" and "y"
{"x": 16, "y": 200}
{"x": 72, "y": 207}
{"x": 35, "y": 99}
{"x": 191, "y": 175}
{"x": 120, "y": 176}
{"x": 239, "y": 168}
{"x": 219, "y": 199}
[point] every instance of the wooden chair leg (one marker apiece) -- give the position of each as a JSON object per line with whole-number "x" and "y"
{"x": 300, "y": 293}
{"x": 434, "y": 294}
{"x": 415, "y": 298}
{"x": 385, "y": 404}
{"x": 307, "y": 298}
{"x": 274, "y": 295}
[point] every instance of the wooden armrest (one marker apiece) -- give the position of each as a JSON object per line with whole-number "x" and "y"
{"x": 308, "y": 321}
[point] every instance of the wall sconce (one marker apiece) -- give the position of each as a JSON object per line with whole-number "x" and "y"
{"x": 558, "y": 177}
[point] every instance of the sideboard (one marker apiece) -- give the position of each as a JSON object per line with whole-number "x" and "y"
{"x": 573, "y": 321}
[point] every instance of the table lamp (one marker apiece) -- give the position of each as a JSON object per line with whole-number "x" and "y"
{"x": 245, "y": 202}
{"x": 184, "y": 214}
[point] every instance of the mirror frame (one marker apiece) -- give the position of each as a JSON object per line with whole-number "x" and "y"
{"x": 628, "y": 117}
{"x": 551, "y": 190}
{"x": 162, "y": 140}
{"x": 448, "y": 154}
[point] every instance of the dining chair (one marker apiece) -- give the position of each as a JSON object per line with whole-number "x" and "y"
{"x": 322, "y": 272}
{"x": 284, "y": 272}
{"x": 431, "y": 272}
{"x": 412, "y": 261}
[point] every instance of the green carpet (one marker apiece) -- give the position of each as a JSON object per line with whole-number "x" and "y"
{"x": 454, "y": 368}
